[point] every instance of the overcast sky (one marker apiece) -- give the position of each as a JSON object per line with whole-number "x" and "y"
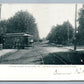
{"x": 46, "y": 15}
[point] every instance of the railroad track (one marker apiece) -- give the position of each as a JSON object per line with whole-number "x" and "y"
{"x": 59, "y": 59}
{"x": 38, "y": 57}
{"x": 37, "y": 51}
{"x": 62, "y": 60}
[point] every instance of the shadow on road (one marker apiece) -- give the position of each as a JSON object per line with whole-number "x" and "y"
{"x": 64, "y": 58}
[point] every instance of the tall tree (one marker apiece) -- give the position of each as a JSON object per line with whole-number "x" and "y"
{"x": 3, "y": 27}
{"x": 61, "y": 33}
{"x": 81, "y": 26}
{"x": 23, "y": 22}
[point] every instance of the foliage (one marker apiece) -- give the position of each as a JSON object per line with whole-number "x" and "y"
{"x": 3, "y": 28}
{"x": 22, "y": 22}
{"x": 81, "y": 27}
{"x": 59, "y": 34}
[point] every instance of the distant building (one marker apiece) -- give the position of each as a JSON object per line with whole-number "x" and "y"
{"x": 17, "y": 40}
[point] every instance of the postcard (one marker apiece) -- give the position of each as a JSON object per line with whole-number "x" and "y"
{"x": 42, "y": 42}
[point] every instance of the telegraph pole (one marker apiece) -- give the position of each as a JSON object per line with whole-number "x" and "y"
{"x": 75, "y": 43}
{"x": 68, "y": 32}
{"x": 0, "y": 32}
{"x": 0, "y": 11}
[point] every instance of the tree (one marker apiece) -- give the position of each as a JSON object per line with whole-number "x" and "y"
{"x": 59, "y": 34}
{"x": 51, "y": 35}
{"x": 81, "y": 27}
{"x": 23, "y": 22}
{"x": 3, "y": 29}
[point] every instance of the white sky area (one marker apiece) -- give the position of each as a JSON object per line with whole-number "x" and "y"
{"x": 46, "y": 15}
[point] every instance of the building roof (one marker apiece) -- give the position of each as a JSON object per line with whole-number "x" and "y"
{"x": 17, "y": 34}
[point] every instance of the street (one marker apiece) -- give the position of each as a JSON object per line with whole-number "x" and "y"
{"x": 42, "y": 54}
{"x": 30, "y": 56}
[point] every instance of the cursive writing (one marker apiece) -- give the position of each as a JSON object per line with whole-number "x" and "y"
{"x": 76, "y": 71}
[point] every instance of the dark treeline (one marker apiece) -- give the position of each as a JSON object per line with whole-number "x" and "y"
{"x": 21, "y": 22}
{"x": 60, "y": 34}
{"x": 80, "y": 35}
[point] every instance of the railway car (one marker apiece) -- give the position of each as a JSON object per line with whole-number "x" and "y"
{"x": 17, "y": 40}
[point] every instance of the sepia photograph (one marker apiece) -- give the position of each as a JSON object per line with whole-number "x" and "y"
{"x": 42, "y": 34}
{"x": 41, "y": 41}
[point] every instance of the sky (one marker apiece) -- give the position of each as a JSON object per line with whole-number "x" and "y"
{"x": 46, "y": 15}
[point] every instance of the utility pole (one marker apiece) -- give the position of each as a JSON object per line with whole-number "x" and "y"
{"x": 75, "y": 43}
{"x": 0, "y": 11}
{"x": 68, "y": 32}
{"x": 0, "y": 32}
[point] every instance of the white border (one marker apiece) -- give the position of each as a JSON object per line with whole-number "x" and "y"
{"x": 41, "y": 72}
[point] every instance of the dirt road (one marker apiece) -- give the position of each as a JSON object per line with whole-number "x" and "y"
{"x": 30, "y": 56}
